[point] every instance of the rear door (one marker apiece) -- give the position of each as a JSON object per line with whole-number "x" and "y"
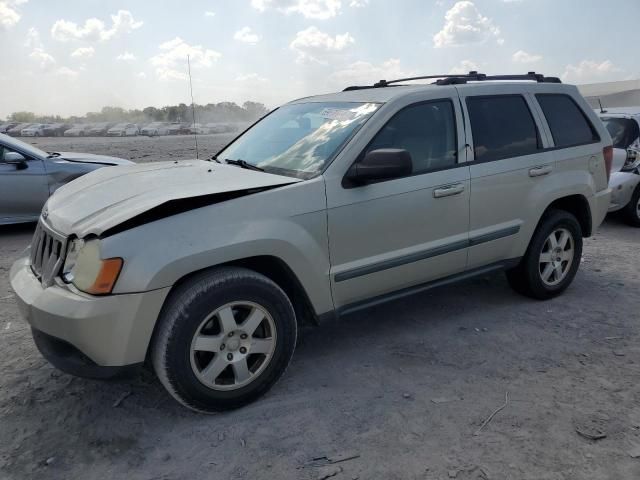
{"x": 508, "y": 161}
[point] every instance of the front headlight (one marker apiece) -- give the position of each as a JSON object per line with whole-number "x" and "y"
{"x": 87, "y": 271}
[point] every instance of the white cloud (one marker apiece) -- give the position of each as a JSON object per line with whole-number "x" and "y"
{"x": 358, "y": 3}
{"x": 9, "y": 14}
{"x": 523, "y": 57}
{"x": 126, "y": 57}
{"x": 209, "y": 13}
{"x": 141, "y": 75}
{"x": 246, "y": 35}
{"x": 365, "y": 73}
{"x": 314, "y": 45}
{"x": 171, "y": 62}
{"x": 465, "y": 66}
{"x": 33, "y": 39}
{"x": 465, "y": 25}
{"x": 251, "y": 78}
{"x": 94, "y": 29}
{"x": 44, "y": 59}
{"x": 66, "y": 72}
{"x": 589, "y": 71}
{"x": 83, "y": 52}
{"x": 316, "y": 9}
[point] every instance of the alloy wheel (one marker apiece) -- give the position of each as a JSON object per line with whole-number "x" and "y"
{"x": 556, "y": 256}
{"x": 233, "y": 345}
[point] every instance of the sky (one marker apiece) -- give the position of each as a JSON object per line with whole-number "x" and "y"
{"x": 68, "y": 57}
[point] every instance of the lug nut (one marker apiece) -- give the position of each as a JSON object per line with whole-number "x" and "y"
{"x": 243, "y": 350}
{"x": 231, "y": 334}
{"x": 243, "y": 336}
{"x": 222, "y": 346}
{"x": 230, "y": 356}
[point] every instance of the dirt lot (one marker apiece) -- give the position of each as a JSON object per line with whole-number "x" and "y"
{"x": 403, "y": 389}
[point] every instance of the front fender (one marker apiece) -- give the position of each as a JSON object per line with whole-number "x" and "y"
{"x": 622, "y": 185}
{"x": 288, "y": 223}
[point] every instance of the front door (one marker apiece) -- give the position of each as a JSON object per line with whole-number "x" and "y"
{"x": 398, "y": 233}
{"x": 23, "y": 188}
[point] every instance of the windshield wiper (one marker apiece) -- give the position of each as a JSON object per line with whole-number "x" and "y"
{"x": 244, "y": 164}
{"x": 53, "y": 154}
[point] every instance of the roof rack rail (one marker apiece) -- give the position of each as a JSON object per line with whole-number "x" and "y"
{"x": 457, "y": 79}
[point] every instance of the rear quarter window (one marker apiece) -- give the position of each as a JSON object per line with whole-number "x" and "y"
{"x": 568, "y": 123}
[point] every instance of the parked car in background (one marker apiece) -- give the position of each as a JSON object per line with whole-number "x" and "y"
{"x": 6, "y": 126}
{"x": 16, "y": 131}
{"x": 55, "y": 129}
{"x": 329, "y": 205}
{"x": 34, "y": 130}
{"x": 623, "y": 125}
{"x": 155, "y": 129}
{"x": 199, "y": 129}
{"x": 78, "y": 130}
{"x": 123, "y": 130}
{"x": 28, "y": 176}
{"x": 178, "y": 128}
{"x": 100, "y": 129}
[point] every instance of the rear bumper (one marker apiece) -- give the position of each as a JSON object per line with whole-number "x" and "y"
{"x": 111, "y": 330}
{"x": 622, "y": 185}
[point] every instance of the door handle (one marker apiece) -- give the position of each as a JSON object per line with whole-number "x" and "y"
{"x": 540, "y": 171}
{"x": 448, "y": 190}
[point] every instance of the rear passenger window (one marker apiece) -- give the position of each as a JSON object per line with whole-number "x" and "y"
{"x": 502, "y": 127}
{"x": 568, "y": 123}
{"x": 427, "y": 131}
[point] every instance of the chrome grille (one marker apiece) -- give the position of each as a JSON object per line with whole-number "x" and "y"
{"x": 48, "y": 249}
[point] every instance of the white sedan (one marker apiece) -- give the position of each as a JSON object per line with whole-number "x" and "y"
{"x": 123, "y": 130}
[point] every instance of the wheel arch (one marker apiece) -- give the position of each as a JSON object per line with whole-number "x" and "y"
{"x": 277, "y": 270}
{"x": 578, "y": 206}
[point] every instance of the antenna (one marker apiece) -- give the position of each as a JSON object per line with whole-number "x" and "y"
{"x": 193, "y": 108}
{"x": 602, "y": 110}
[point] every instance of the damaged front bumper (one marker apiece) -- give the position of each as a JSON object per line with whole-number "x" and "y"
{"x": 111, "y": 330}
{"x": 622, "y": 186}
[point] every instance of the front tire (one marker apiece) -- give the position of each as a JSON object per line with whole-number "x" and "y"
{"x": 631, "y": 213}
{"x": 223, "y": 339}
{"x": 552, "y": 259}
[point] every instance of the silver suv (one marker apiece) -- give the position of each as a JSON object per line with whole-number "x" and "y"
{"x": 328, "y": 205}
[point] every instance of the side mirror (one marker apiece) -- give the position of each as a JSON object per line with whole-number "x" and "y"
{"x": 381, "y": 164}
{"x": 15, "y": 158}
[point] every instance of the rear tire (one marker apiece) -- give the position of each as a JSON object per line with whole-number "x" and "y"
{"x": 223, "y": 339}
{"x": 631, "y": 213}
{"x": 552, "y": 259}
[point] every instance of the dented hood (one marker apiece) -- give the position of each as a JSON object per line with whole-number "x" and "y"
{"x": 110, "y": 196}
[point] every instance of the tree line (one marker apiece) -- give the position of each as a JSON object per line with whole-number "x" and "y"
{"x": 209, "y": 113}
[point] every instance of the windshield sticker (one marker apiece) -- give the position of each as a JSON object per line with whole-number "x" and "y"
{"x": 337, "y": 114}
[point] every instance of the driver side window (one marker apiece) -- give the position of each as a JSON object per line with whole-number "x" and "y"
{"x": 427, "y": 131}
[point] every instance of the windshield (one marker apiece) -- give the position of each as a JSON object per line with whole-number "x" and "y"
{"x": 623, "y": 131}
{"x": 299, "y": 139}
{"x": 22, "y": 147}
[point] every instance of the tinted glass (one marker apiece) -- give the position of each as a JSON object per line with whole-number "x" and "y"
{"x": 427, "y": 131}
{"x": 569, "y": 125}
{"x": 623, "y": 131}
{"x": 502, "y": 127}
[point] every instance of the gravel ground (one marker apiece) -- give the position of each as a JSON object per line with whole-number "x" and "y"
{"x": 403, "y": 389}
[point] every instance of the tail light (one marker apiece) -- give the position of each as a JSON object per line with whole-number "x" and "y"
{"x": 607, "y": 153}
